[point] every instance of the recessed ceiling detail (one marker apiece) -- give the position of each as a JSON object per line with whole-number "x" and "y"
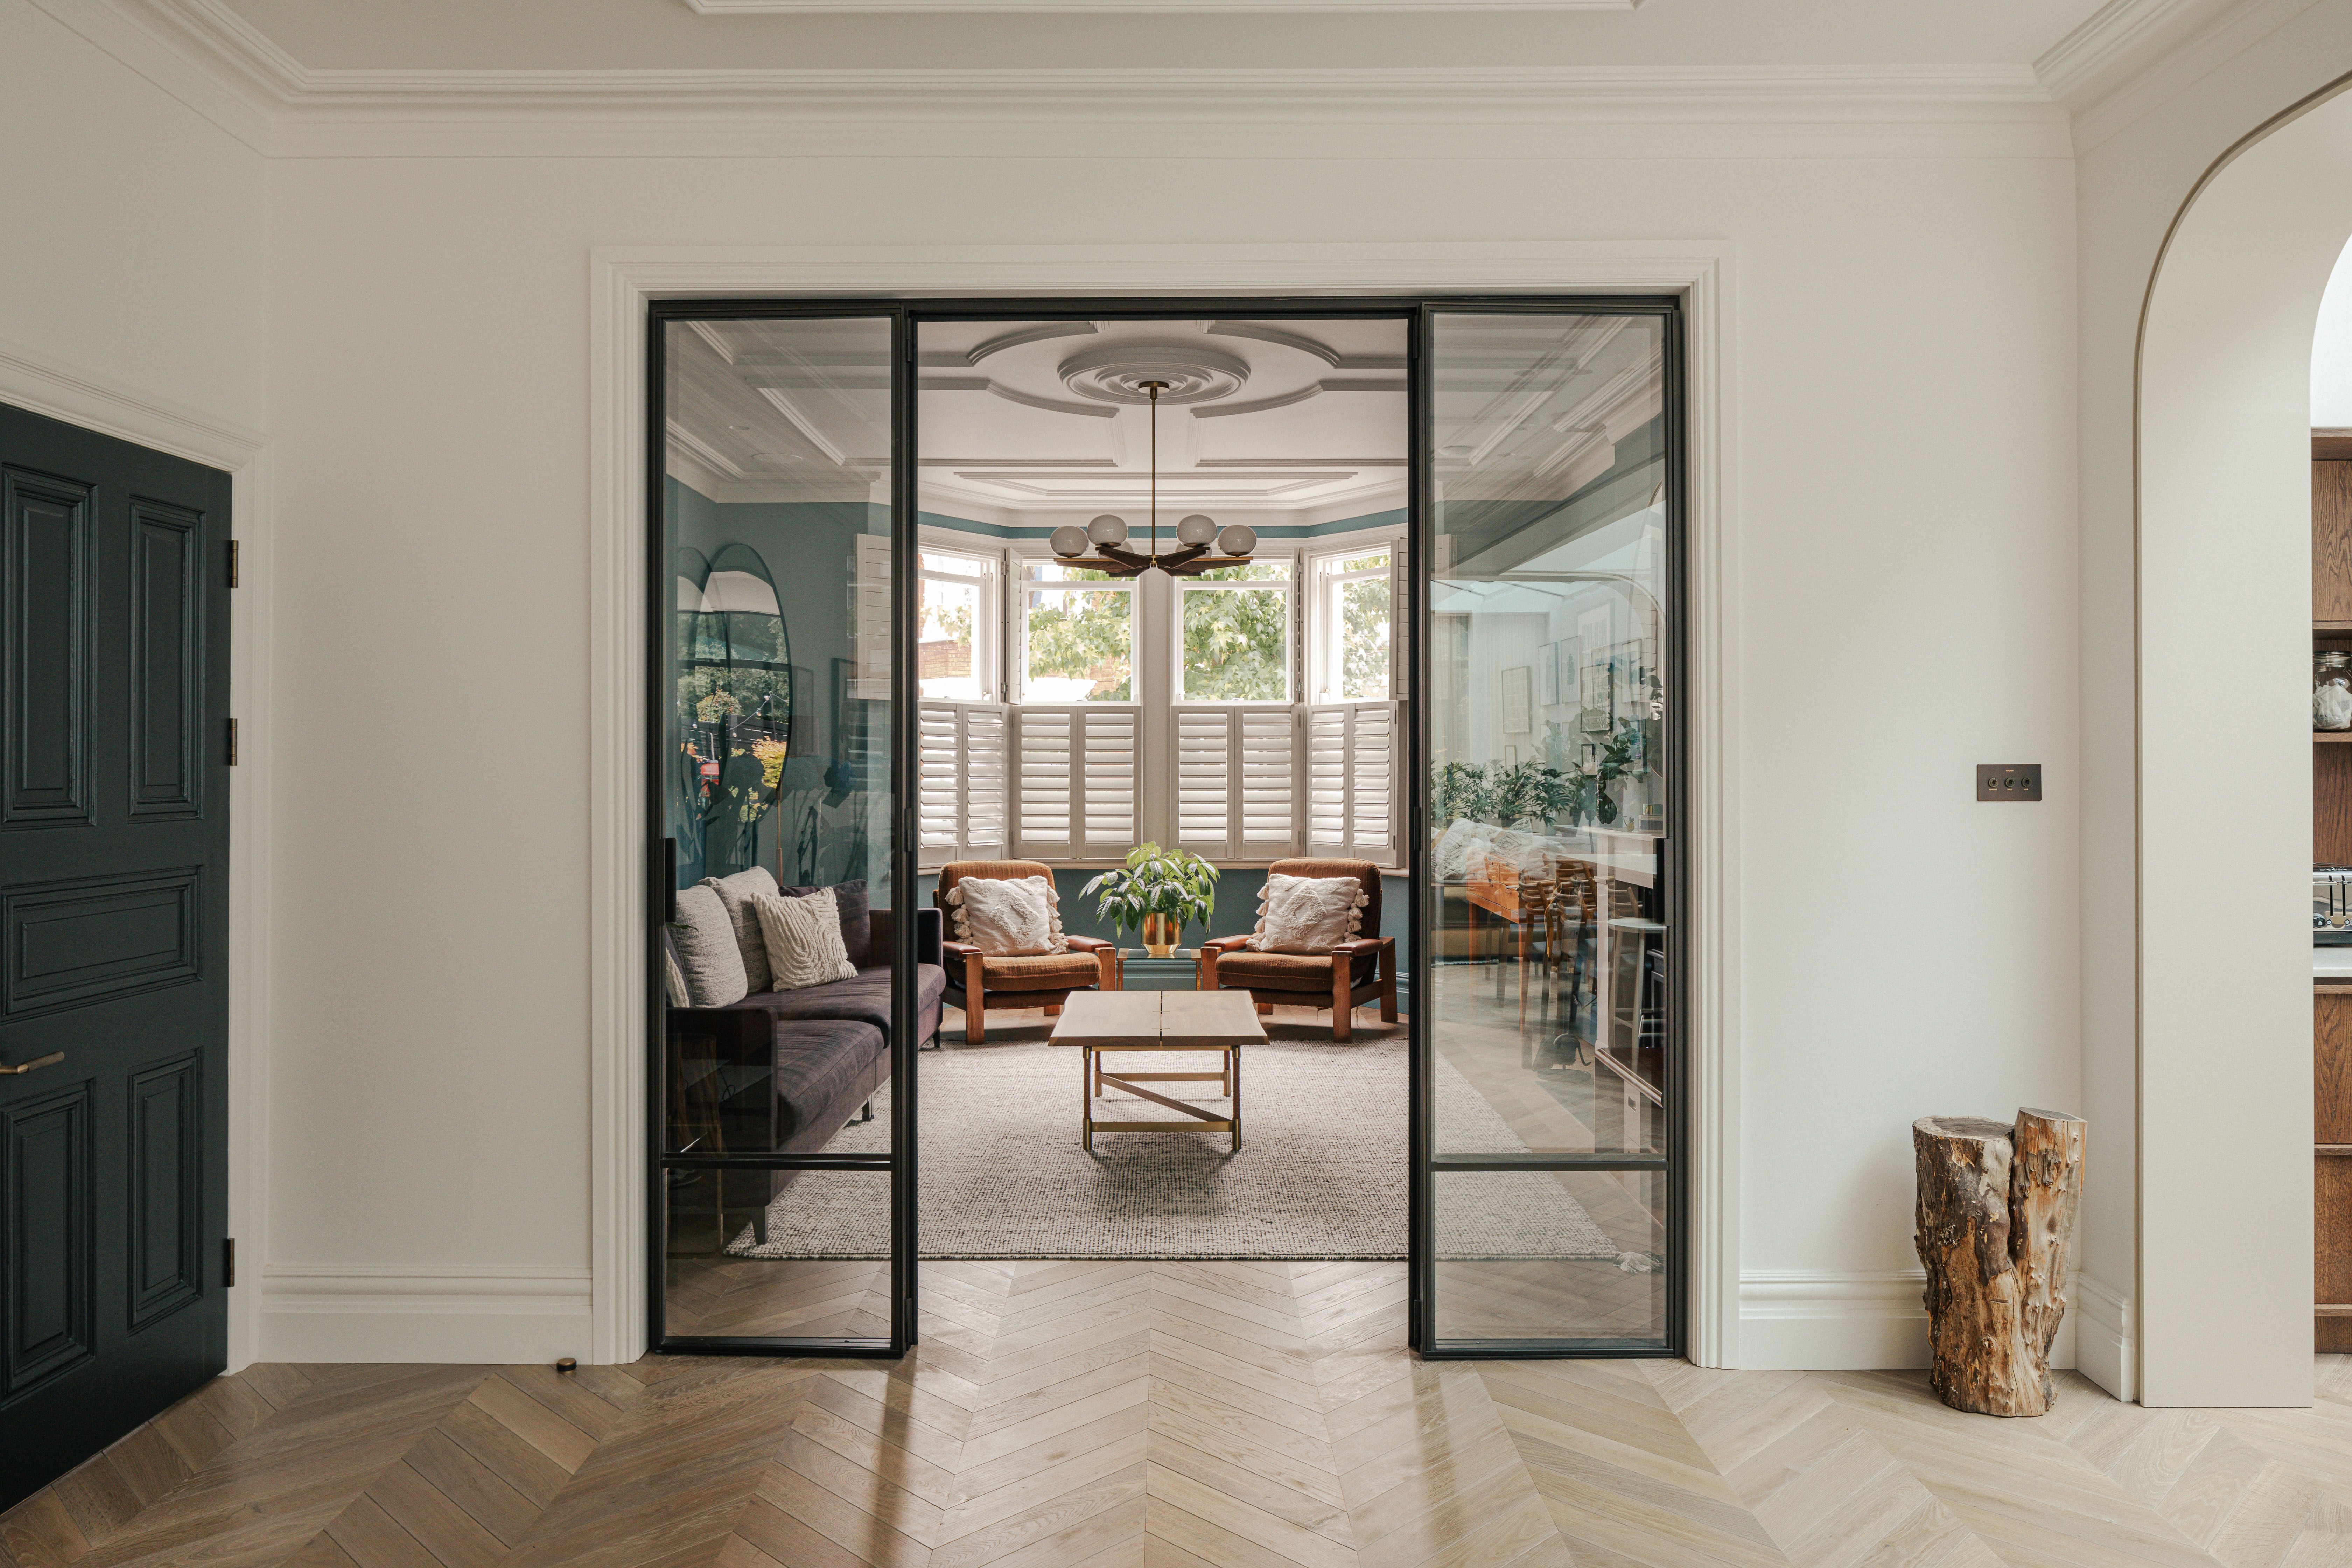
{"x": 1116, "y": 373}
{"x": 805, "y": 8}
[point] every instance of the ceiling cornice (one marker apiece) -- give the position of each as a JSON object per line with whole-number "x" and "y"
{"x": 2131, "y": 55}
{"x": 206, "y": 54}
{"x": 1256, "y": 7}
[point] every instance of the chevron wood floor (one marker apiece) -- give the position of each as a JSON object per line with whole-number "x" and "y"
{"x": 1252, "y": 1415}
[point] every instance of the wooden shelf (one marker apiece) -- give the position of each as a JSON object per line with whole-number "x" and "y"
{"x": 2323, "y": 736}
{"x": 2331, "y": 628}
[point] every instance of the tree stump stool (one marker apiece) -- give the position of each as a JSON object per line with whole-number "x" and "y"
{"x": 1996, "y": 1215}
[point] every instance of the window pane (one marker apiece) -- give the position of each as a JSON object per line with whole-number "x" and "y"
{"x": 1363, "y": 614}
{"x": 1547, "y": 636}
{"x": 948, "y": 641}
{"x": 1236, "y": 644}
{"x": 1551, "y": 1254}
{"x": 1079, "y": 643}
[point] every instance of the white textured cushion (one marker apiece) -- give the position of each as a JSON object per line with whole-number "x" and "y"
{"x": 803, "y": 941}
{"x": 1307, "y": 914}
{"x": 1007, "y": 917}
{"x": 736, "y": 893}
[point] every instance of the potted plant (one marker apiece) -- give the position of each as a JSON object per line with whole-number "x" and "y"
{"x": 1157, "y": 894}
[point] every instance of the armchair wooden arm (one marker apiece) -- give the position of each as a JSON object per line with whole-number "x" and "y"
{"x": 1204, "y": 976}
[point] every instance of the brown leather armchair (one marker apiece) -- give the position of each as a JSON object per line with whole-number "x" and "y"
{"x": 1039, "y": 980}
{"x": 1342, "y": 980}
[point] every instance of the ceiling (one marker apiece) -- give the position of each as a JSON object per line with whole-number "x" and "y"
{"x": 1037, "y": 424}
{"x": 673, "y": 35}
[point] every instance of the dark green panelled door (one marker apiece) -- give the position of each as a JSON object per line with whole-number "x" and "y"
{"x": 113, "y": 939}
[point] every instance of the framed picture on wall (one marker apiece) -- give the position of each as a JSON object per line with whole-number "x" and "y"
{"x": 1518, "y": 707}
{"x": 1629, "y": 681}
{"x": 1547, "y": 674}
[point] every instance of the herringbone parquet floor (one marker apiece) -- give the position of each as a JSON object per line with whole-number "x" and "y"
{"x": 1239, "y": 1415}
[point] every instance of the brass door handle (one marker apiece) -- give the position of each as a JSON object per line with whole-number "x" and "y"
{"x": 52, "y": 1060}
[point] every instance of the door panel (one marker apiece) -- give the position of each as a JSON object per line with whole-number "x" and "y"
{"x": 785, "y": 1172}
{"x": 113, "y": 940}
{"x": 1550, "y": 667}
{"x": 44, "y": 525}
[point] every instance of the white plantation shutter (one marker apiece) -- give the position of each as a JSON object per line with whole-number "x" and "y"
{"x": 1351, "y": 771}
{"x": 1269, "y": 776}
{"x": 1075, "y": 772}
{"x": 1204, "y": 775}
{"x": 1237, "y": 782}
{"x": 1041, "y": 771}
{"x": 1107, "y": 780}
{"x": 959, "y": 803}
{"x": 988, "y": 791}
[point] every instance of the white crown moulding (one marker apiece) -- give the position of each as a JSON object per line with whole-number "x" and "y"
{"x": 1263, "y": 7}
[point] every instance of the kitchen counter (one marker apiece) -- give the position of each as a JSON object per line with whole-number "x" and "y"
{"x": 2331, "y": 965}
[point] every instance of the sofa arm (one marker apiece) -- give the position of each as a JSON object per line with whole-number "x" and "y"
{"x": 928, "y": 927}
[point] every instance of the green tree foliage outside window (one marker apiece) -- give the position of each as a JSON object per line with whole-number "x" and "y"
{"x": 1364, "y": 629}
{"x": 1081, "y": 634}
{"x": 1236, "y": 640}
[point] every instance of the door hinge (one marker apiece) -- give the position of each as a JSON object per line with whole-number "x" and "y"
{"x": 232, "y": 562}
{"x": 228, "y": 1262}
{"x": 232, "y": 742}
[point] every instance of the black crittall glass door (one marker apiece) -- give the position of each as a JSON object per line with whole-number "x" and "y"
{"x": 1548, "y": 549}
{"x": 1543, "y": 546}
{"x": 783, "y": 1178}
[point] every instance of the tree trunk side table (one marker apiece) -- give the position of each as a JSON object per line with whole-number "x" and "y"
{"x": 1996, "y": 1217}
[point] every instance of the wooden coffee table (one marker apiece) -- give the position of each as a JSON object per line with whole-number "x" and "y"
{"x": 1097, "y": 1022}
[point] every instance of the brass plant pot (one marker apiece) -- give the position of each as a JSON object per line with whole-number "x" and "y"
{"x": 1160, "y": 935}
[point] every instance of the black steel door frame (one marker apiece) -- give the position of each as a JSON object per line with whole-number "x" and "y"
{"x": 907, "y": 315}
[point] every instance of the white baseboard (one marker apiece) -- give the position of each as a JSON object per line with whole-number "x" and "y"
{"x": 376, "y": 1312}
{"x": 1830, "y": 1320}
{"x": 2106, "y": 1341}
{"x": 1827, "y": 1320}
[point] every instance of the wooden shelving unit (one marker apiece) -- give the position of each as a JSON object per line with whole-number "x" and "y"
{"x": 2331, "y": 844}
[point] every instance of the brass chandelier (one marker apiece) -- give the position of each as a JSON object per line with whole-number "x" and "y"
{"x": 1108, "y": 533}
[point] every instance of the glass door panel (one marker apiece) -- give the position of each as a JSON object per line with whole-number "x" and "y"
{"x": 780, "y": 962}
{"x": 1550, "y": 646}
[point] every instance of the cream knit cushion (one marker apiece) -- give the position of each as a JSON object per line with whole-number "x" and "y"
{"x": 1307, "y": 914}
{"x": 1008, "y": 917}
{"x": 803, "y": 940}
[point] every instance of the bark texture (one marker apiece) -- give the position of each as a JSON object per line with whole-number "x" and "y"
{"x": 1996, "y": 1217}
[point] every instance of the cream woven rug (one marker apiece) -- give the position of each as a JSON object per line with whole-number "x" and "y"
{"x": 1320, "y": 1174}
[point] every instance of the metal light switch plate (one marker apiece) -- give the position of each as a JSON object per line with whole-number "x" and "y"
{"x": 2008, "y": 781}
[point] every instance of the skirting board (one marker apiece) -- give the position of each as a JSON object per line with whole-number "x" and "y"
{"x": 341, "y": 1313}
{"x": 2105, "y": 1347}
{"x": 1829, "y": 1320}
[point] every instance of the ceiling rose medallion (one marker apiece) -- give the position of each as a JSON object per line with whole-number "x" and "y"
{"x": 1119, "y": 372}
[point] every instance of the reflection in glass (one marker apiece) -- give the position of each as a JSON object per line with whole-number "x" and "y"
{"x": 778, "y": 1253}
{"x": 777, "y": 746}
{"x": 1546, "y": 718}
{"x": 1550, "y": 1255}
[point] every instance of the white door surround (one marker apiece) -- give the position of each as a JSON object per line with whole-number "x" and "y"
{"x": 623, "y": 280}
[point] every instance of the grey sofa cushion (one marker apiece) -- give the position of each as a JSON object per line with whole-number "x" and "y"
{"x": 823, "y": 1068}
{"x": 708, "y": 954}
{"x": 865, "y": 1000}
{"x": 736, "y": 892}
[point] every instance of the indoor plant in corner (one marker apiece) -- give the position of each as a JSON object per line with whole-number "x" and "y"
{"x": 1157, "y": 894}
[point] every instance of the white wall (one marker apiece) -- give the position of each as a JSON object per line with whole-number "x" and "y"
{"x": 1904, "y": 399}
{"x": 135, "y": 226}
{"x": 2331, "y": 351}
{"x": 2206, "y": 995}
